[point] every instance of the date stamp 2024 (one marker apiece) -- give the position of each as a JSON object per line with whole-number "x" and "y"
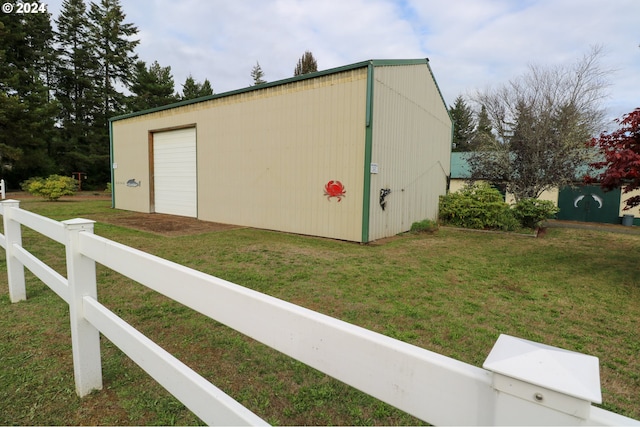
{"x": 22, "y": 8}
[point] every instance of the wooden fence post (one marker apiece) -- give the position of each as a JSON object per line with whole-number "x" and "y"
{"x": 13, "y": 236}
{"x": 85, "y": 338}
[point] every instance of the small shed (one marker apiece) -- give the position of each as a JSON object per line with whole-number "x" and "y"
{"x": 355, "y": 153}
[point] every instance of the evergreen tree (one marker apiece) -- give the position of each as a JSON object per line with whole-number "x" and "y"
{"x": 26, "y": 109}
{"x": 152, "y": 87}
{"x": 114, "y": 54}
{"x": 257, "y": 74}
{"x": 205, "y": 88}
{"x": 45, "y": 54}
{"x": 75, "y": 90}
{"x": 111, "y": 38}
{"x": 192, "y": 89}
{"x": 463, "y": 133}
{"x": 306, "y": 64}
{"x": 483, "y": 135}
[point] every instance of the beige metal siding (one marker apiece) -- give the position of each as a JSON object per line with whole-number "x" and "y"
{"x": 411, "y": 144}
{"x": 131, "y": 175}
{"x": 265, "y": 156}
{"x": 634, "y": 211}
{"x": 284, "y": 150}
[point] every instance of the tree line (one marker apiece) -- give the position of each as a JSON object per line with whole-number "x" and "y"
{"x": 58, "y": 89}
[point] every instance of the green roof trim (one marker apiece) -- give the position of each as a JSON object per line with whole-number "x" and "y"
{"x": 368, "y": 144}
{"x": 113, "y": 183}
{"x": 433, "y": 77}
{"x": 363, "y": 64}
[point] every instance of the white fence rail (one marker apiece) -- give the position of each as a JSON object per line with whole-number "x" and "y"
{"x": 434, "y": 388}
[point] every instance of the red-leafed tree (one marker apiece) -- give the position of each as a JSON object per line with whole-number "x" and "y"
{"x": 621, "y": 152}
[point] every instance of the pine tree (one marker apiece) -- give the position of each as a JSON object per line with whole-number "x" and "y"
{"x": 483, "y": 134}
{"x": 257, "y": 74}
{"x": 111, "y": 37}
{"x": 75, "y": 90}
{"x": 306, "y": 64}
{"x": 192, "y": 89}
{"x": 115, "y": 57}
{"x": 152, "y": 87}
{"x": 26, "y": 109}
{"x": 462, "y": 116}
{"x": 45, "y": 53}
{"x": 205, "y": 88}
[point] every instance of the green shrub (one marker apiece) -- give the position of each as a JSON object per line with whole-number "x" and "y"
{"x": 531, "y": 212}
{"x": 51, "y": 188}
{"x": 24, "y": 185}
{"x": 478, "y": 206}
{"x": 424, "y": 226}
{"x": 108, "y": 188}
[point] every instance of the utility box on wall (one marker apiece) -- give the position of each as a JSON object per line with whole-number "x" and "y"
{"x": 355, "y": 153}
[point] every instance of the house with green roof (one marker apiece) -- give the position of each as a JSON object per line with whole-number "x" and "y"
{"x": 586, "y": 203}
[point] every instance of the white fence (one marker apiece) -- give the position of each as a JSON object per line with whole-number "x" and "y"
{"x": 524, "y": 383}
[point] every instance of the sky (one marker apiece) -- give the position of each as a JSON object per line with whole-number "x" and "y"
{"x": 471, "y": 44}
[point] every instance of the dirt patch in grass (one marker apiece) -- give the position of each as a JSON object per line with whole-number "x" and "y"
{"x": 167, "y": 225}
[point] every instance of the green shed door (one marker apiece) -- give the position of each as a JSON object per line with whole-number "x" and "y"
{"x": 589, "y": 203}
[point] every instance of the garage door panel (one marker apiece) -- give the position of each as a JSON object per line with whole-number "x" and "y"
{"x": 175, "y": 175}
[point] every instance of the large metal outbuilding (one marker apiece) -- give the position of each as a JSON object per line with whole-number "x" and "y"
{"x": 355, "y": 153}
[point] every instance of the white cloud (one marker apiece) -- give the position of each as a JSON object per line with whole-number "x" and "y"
{"x": 471, "y": 43}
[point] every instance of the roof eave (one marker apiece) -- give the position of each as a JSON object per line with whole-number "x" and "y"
{"x": 363, "y": 64}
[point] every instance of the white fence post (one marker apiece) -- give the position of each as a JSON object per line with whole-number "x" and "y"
{"x": 2, "y": 189}
{"x": 85, "y": 338}
{"x": 540, "y": 384}
{"x": 13, "y": 236}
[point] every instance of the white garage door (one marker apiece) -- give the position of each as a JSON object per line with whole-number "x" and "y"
{"x": 174, "y": 168}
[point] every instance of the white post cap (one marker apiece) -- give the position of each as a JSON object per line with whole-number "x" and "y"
{"x": 563, "y": 371}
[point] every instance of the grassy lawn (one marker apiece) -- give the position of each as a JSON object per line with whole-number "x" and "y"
{"x": 452, "y": 292}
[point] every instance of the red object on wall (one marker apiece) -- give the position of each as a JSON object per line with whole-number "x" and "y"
{"x": 334, "y": 189}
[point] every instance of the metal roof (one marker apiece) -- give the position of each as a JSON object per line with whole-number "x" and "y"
{"x": 460, "y": 165}
{"x": 363, "y": 64}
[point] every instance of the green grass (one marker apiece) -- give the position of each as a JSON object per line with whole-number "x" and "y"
{"x": 452, "y": 292}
